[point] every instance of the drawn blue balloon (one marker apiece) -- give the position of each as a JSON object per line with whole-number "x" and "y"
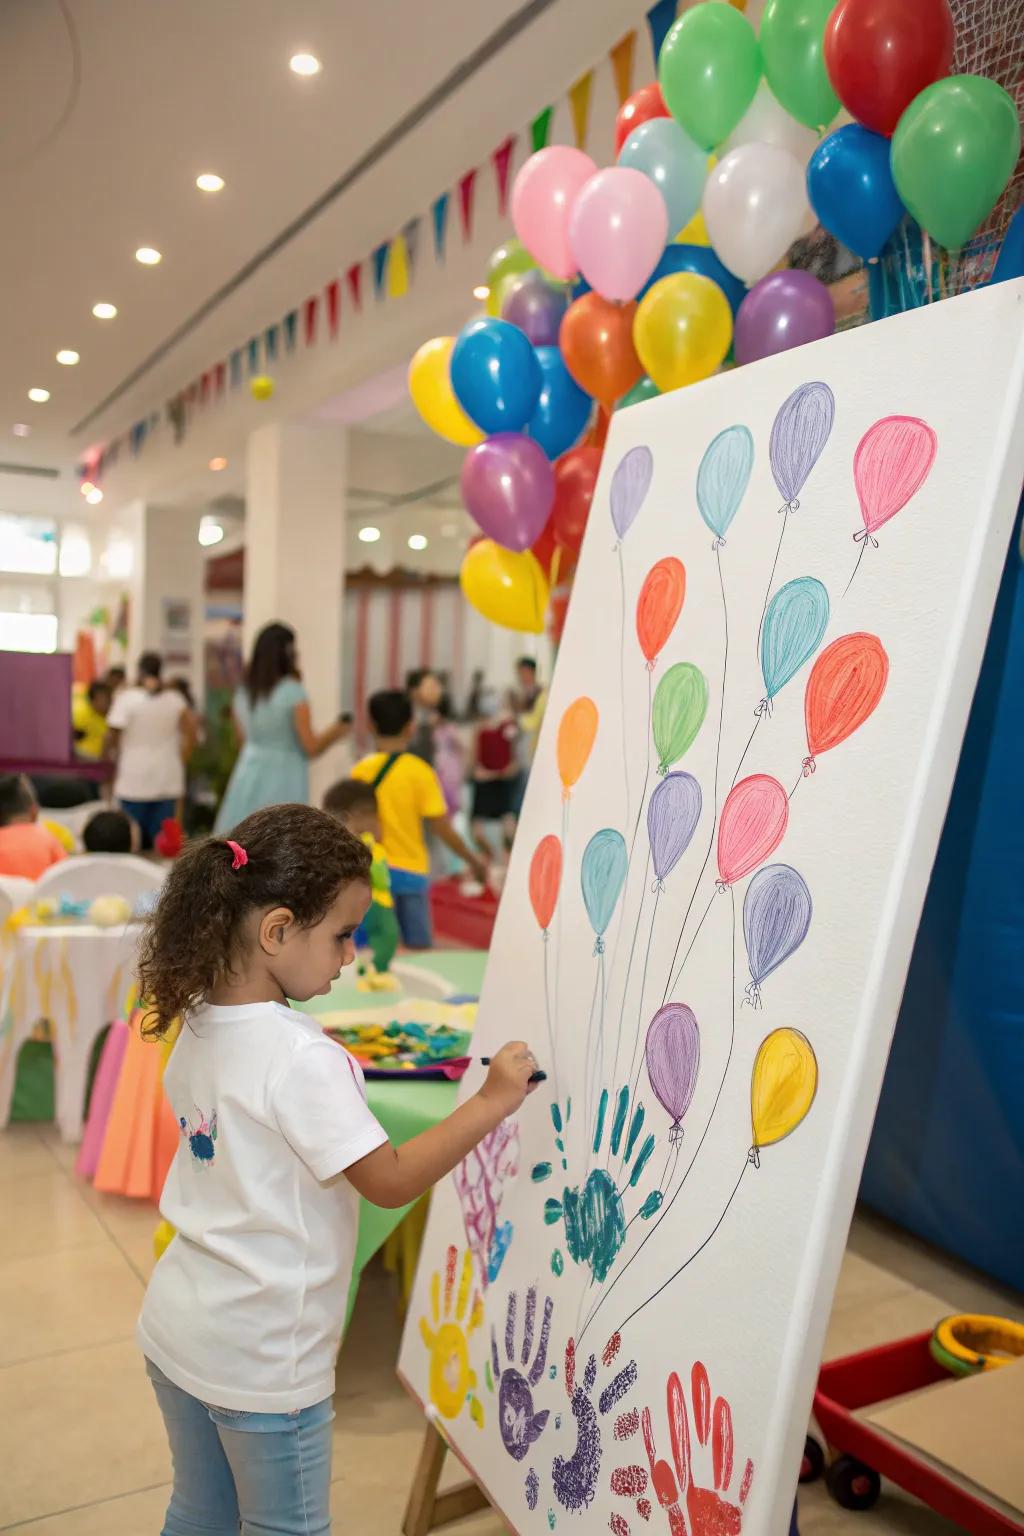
{"x": 563, "y": 409}
{"x": 794, "y": 623}
{"x": 673, "y": 812}
{"x": 723, "y": 477}
{"x": 495, "y": 375}
{"x": 776, "y": 916}
{"x": 603, "y": 874}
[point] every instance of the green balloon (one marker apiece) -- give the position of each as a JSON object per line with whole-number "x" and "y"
{"x": 510, "y": 260}
{"x": 708, "y": 71}
{"x": 643, "y": 389}
{"x": 792, "y": 46}
{"x": 953, "y": 152}
{"x": 680, "y": 704}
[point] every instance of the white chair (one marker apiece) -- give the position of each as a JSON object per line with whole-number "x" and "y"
{"x": 88, "y": 875}
{"x": 18, "y": 889}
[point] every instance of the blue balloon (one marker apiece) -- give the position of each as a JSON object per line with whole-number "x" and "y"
{"x": 1010, "y": 261}
{"x": 579, "y": 287}
{"x": 495, "y": 375}
{"x": 794, "y": 623}
{"x": 563, "y": 409}
{"x": 702, "y": 260}
{"x": 603, "y": 874}
{"x": 723, "y": 477}
{"x": 852, "y": 191}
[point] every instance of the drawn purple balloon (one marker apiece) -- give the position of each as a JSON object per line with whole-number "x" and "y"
{"x": 630, "y": 484}
{"x": 776, "y": 916}
{"x": 673, "y": 812}
{"x": 673, "y": 1060}
{"x": 799, "y": 434}
{"x": 508, "y": 486}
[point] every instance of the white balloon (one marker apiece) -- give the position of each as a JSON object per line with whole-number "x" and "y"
{"x": 755, "y": 206}
{"x": 766, "y": 122}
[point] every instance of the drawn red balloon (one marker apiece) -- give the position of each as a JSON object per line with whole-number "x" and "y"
{"x": 880, "y": 54}
{"x": 639, "y": 108}
{"x": 891, "y": 464}
{"x": 659, "y": 606}
{"x": 545, "y": 879}
{"x": 845, "y": 685}
{"x": 752, "y": 825}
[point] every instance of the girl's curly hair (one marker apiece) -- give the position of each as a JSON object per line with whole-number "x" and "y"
{"x": 298, "y": 857}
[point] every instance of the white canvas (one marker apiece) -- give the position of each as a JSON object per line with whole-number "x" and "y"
{"x": 682, "y": 1404}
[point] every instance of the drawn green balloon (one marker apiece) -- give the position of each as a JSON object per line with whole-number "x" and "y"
{"x": 680, "y": 704}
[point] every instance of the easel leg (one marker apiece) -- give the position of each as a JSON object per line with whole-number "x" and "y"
{"x": 427, "y": 1509}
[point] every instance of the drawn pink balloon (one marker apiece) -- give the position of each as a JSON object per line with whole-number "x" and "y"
{"x": 543, "y": 196}
{"x": 752, "y": 825}
{"x": 617, "y": 231}
{"x": 890, "y": 466}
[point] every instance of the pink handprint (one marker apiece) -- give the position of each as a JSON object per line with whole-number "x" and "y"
{"x": 480, "y": 1181}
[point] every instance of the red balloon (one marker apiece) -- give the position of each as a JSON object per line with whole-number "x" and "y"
{"x": 880, "y": 54}
{"x": 558, "y": 612}
{"x": 752, "y": 825}
{"x": 575, "y": 479}
{"x": 596, "y": 342}
{"x": 844, "y": 688}
{"x": 598, "y": 433}
{"x": 545, "y": 879}
{"x": 545, "y": 549}
{"x": 639, "y": 108}
{"x": 659, "y": 605}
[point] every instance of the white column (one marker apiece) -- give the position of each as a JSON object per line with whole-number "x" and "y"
{"x": 166, "y": 589}
{"x": 295, "y": 561}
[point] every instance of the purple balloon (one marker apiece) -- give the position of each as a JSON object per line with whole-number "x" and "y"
{"x": 630, "y": 484}
{"x": 672, "y": 815}
{"x": 508, "y": 486}
{"x": 783, "y": 310}
{"x": 776, "y": 916}
{"x": 673, "y": 1060}
{"x": 536, "y": 307}
{"x": 800, "y": 431}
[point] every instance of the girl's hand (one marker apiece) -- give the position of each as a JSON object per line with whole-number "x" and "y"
{"x": 508, "y": 1077}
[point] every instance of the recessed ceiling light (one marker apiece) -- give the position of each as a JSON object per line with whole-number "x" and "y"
{"x": 21, "y": 429}
{"x": 95, "y": 496}
{"x": 481, "y": 292}
{"x": 40, "y": 396}
{"x": 86, "y": 486}
{"x": 104, "y": 311}
{"x": 369, "y": 535}
{"x": 209, "y": 181}
{"x": 417, "y": 541}
{"x": 210, "y": 531}
{"x": 304, "y": 64}
{"x": 148, "y": 256}
{"x": 218, "y": 464}
{"x": 68, "y": 356}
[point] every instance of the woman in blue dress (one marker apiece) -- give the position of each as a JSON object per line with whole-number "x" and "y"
{"x": 272, "y": 719}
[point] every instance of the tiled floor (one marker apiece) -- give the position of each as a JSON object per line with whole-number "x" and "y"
{"x": 82, "y": 1449}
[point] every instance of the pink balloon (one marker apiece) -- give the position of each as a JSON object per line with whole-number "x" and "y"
{"x": 618, "y": 230}
{"x": 752, "y": 825}
{"x": 543, "y": 195}
{"x": 890, "y": 466}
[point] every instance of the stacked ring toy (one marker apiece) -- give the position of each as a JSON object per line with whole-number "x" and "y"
{"x": 970, "y": 1342}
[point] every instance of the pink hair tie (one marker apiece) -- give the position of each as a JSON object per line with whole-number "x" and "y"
{"x": 240, "y": 856}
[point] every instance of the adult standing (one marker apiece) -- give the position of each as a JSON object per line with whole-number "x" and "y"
{"x": 152, "y": 734}
{"x": 531, "y": 699}
{"x": 425, "y": 694}
{"x": 272, "y": 718}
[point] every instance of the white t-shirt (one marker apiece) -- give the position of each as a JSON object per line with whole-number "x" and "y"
{"x": 149, "y": 765}
{"x": 245, "y": 1308}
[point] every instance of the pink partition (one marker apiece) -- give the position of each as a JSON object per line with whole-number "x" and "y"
{"x": 35, "y": 707}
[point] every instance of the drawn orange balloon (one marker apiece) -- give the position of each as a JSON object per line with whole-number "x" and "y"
{"x": 659, "y": 606}
{"x": 576, "y": 732}
{"x": 844, "y": 688}
{"x": 545, "y": 879}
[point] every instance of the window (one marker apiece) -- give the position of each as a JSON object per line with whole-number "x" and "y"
{"x": 28, "y": 618}
{"x": 28, "y": 544}
{"x": 75, "y": 551}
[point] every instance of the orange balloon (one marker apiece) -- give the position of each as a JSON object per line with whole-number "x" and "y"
{"x": 659, "y": 605}
{"x": 545, "y": 879}
{"x": 596, "y": 341}
{"x": 844, "y": 688}
{"x": 576, "y": 732}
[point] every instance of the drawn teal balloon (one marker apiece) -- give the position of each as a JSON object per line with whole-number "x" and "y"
{"x": 680, "y": 704}
{"x": 723, "y": 477}
{"x": 795, "y": 621}
{"x": 603, "y": 874}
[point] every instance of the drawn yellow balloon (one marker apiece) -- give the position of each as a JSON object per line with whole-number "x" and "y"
{"x": 782, "y": 1086}
{"x": 431, "y": 389}
{"x": 505, "y": 587}
{"x": 682, "y": 330}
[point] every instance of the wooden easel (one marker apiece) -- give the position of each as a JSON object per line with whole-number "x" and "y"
{"x": 427, "y": 1509}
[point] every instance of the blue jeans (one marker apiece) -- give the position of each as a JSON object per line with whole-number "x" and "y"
{"x": 264, "y": 1474}
{"x": 411, "y": 895}
{"x": 149, "y": 816}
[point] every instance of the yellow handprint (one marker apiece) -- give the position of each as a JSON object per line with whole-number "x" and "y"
{"x": 452, "y": 1378}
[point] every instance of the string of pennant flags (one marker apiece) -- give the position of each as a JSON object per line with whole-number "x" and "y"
{"x": 391, "y": 265}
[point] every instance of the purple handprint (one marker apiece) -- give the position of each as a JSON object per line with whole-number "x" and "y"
{"x": 520, "y": 1425}
{"x": 575, "y": 1477}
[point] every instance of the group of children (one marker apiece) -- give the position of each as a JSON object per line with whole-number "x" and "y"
{"x": 29, "y": 844}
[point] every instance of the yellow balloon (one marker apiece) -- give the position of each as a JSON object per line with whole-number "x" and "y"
{"x": 505, "y": 587}
{"x": 682, "y": 330}
{"x": 261, "y": 387}
{"x": 782, "y": 1086}
{"x": 431, "y": 389}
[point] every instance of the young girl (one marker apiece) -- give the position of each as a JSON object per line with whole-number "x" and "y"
{"x": 242, "y": 1319}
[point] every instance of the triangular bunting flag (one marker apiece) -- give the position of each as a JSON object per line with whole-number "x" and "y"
{"x": 204, "y": 388}
{"x": 660, "y": 18}
{"x": 411, "y": 236}
{"x": 579, "y": 106}
{"x": 467, "y": 187}
{"x": 253, "y": 350}
{"x": 439, "y": 212}
{"x": 291, "y": 326}
{"x": 191, "y": 394}
{"x": 354, "y": 278}
{"x": 622, "y": 65}
{"x": 235, "y": 367}
{"x": 221, "y": 372}
{"x": 540, "y": 128}
{"x": 379, "y": 263}
{"x": 332, "y": 299}
{"x": 270, "y": 339}
{"x": 309, "y": 313}
{"x": 398, "y": 269}
{"x": 502, "y": 162}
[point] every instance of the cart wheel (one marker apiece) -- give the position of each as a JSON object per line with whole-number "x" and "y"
{"x": 813, "y": 1464}
{"x": 852, "y": 1484}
